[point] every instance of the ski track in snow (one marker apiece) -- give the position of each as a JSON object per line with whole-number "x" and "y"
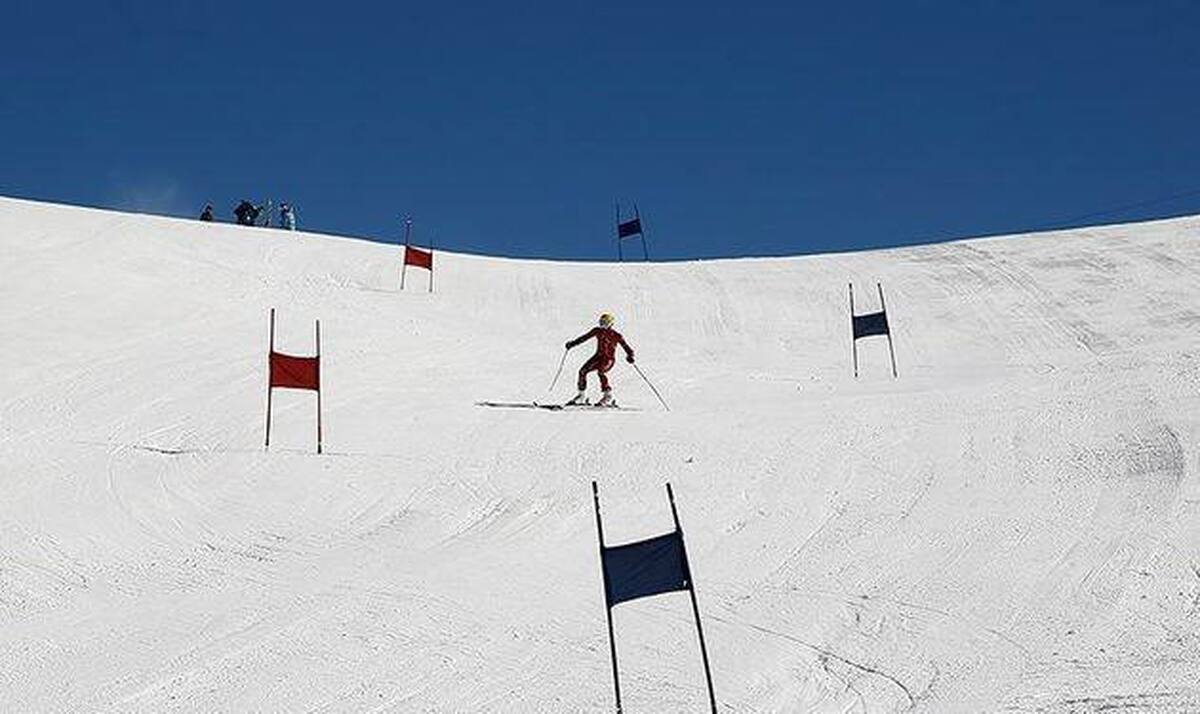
{"x": 1013, "y": 525}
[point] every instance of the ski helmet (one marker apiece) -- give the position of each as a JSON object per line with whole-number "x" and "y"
{"x": 607, "y": 320}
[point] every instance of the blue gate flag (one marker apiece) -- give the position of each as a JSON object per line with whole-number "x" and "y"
{"x": 629, "y": 228}
{"x": 644, "y": 568}
{"x": 874, "y": 323}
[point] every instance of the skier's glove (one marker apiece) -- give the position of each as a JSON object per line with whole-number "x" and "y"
{"x": 567, "y": 345}
{"x": 629, "y": 359}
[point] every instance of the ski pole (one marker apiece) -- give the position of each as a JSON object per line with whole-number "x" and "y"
{"x": 558, "y": 374}
{"x": 648, "y": 384}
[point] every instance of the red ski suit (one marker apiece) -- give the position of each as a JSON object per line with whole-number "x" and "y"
{"x": 607, "y": 340}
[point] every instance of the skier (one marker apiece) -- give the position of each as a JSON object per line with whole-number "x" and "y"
{"x": 207, "y": 214}
{"x": 287, "y": 217}
{"x": 245, "y": 213}
{"x": 607, "y": 340}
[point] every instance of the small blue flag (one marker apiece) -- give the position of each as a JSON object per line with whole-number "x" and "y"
{"x": 874, "y": 323}
{"x": 644, "y": 568}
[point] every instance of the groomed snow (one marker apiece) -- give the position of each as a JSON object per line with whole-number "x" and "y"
{"x": 1012, "y": 525}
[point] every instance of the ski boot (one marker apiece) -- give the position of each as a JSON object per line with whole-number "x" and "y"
{"x": 578, "y": 400}
{"x": 607, "y": 400}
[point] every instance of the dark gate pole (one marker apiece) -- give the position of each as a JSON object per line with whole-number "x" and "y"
{"x": 620, "y": 253}
{"x": 407, "y": 236}
{"x": 891, "y": 349}
{"x": 612, "y": 642}
{"x": 318, "y": 386}
{"x": 712, "y": 698}
{"x": 270, "y": 351}
{"x": 853, "y": 335}
{"x": 642, "y": 231}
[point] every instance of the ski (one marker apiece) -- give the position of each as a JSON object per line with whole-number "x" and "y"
{"x": 585, "y": 405}
{"x": 519, "y": 405}
{"x": 553, "y": 407}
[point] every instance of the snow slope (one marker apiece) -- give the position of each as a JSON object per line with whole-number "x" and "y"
{"x": 1012, "y": 525}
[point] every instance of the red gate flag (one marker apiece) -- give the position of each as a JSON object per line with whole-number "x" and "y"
{"x": 295, "y": 372}
{"x": 417, "y": 257}
{"x": 291, "y": 372}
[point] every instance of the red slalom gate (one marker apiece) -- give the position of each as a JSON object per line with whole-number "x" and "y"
{"x": 416, "y": 257}
{"x": 286, "y": 371}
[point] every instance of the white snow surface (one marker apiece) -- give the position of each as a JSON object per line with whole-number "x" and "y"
{"x": 1011, "y": 525}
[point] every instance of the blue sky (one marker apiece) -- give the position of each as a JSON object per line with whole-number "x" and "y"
{"x": 511, "y": 128}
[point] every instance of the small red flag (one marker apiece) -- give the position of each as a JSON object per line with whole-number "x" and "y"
{"x": 419, "y": 258}
{"x": 295, "y": 372}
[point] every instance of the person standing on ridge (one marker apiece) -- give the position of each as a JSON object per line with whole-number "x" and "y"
{"x": 287, "y": 217}
{"x": 245, "y": 213}
{"x": 207, "y": 214}
{"x": 607, "y": 340}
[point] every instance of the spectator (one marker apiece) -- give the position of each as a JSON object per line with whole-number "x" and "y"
{"x": 245, "y": 213}
{"x": 287, "y": 217}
